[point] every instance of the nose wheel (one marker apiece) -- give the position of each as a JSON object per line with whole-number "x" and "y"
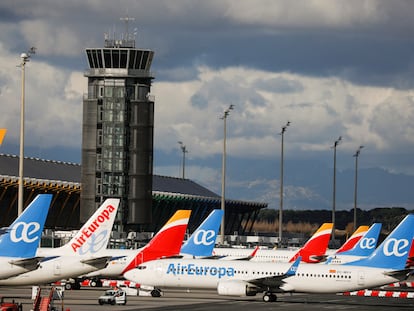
{"x": 156, "y": 292}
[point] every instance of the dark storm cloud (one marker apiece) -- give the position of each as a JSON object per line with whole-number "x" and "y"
{"x": 362, "y": 60}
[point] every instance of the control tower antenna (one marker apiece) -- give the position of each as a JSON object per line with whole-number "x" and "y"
{"x": 126, "y": 20}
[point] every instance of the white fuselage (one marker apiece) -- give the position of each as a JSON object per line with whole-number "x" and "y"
{"x": 113, "y": 269}
{"x": 262, "y": 255}
{"x": 207, "y": 274}
{"x": 51, "y": 271}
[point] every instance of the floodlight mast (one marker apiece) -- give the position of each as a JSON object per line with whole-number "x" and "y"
{"x": 356, "y": 155}
{"x": 184, "y": 151}
{"x": 336, "y": 143}
{"x": 25, "y": 57}
{"x": 281, "y": 182}
{"x": 226, "y": 113}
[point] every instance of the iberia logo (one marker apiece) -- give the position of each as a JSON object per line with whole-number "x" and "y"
{"x": 85, "y": 234}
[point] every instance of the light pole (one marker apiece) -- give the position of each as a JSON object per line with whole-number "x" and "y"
{"x": 25, "y": 57}
{"x": 184, "y": 150}
{"x": 281, "y": 182}
{"x": 336, "y": 143}
{"x": 223, "y": 172}
{"x": 356, "y": 155}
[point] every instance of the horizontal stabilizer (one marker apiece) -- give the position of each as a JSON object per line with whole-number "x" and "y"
{"x": 399, "y": 274}
{"x": 98, "y": 262}
{"x": 27, "y": 263}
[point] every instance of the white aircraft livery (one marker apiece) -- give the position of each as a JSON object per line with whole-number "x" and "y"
{"x": 245, "y": 278}
{"x": 67, "y": 261}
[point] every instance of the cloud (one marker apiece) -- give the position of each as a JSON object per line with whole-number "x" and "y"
{"x": 53, "y": 102}
{"x": 320, "y": 109}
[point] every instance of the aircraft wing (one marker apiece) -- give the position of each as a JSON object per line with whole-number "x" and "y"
{"x": 27, "y": 263}
{"x": 276, "y": 281}
{"x": 97, "y": 262}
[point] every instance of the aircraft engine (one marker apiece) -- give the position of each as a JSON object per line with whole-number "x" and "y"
{"x": 236, "y": 288}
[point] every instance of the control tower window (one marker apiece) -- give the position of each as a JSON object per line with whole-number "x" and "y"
{"x": 123, "y": 60}
{"x": 144, "y": 60}
{"x": 139, "y": 60}
{"x": 132, "y": 55}
{"x": 108, "y": 59}
{"x": 115, "y": 59}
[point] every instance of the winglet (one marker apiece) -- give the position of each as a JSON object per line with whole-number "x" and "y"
{"x": 167, "y": 242}
{"x": 201, "y": 242}
{"x": 354, "y": 238}
{"x": 23, "y": 236}
{"x": 316, "y": 246}
{"x": 393, "y": 251}
{"x": 95, "y": 233}
{"x": 294, "y": 267}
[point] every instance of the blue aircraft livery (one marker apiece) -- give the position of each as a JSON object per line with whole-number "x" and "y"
{"x": 203, "y": 240}
{"x": 193, "y": 269}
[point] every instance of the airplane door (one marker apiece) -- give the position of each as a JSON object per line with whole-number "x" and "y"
{"x": 361, "y": 278}
{"x": 57, "y": 267}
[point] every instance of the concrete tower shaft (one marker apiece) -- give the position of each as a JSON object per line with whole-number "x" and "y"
{"x": 118, "y": 127}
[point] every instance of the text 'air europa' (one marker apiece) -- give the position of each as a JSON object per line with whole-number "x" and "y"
{"x": 86, "y": 233}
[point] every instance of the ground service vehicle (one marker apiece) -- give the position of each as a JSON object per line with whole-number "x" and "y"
{"x": 10, "y": 306}
{"x": 112, "y": 297}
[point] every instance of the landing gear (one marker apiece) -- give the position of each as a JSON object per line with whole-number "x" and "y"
{"x": 269, "y": 297}
{"x": 156, "y": 292}
{"x": 95, "y": 283}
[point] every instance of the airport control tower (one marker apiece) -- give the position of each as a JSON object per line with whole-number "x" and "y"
{"x": 117, "y": 133}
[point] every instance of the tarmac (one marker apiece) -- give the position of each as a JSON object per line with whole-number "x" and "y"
{"x": 86, "y": 299}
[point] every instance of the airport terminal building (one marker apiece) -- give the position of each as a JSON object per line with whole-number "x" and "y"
{"x": 62, "y": 179}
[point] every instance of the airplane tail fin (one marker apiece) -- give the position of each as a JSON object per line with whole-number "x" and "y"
{"x": 95, "y": 233}
{"x": 167, "y": 242}
{"x": 367, "y": 244}
{"x": 355, "y": 237}
{"x": 393, "y": 251}
{"x": 203, "y": 239}
{"x": 315, "y": 248}
{"x": 23, "y": 236}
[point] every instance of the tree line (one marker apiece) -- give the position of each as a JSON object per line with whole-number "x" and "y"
{"x": 310, "y": 219}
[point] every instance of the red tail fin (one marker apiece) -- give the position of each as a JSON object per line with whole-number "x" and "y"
{"x": 167, "y": 242}
{"x": 315, "y": 248}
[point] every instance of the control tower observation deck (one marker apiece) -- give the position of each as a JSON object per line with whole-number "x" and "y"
{"x": 117, "y": 131}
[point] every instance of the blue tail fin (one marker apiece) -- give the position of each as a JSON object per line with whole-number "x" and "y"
{"x": 202, "y": 241}
{"x": 367, "y": 244}
{"x": 23, "y": 236}
{"x": 393, "y": 251}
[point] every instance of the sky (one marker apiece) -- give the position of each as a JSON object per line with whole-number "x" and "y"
{"x": 331, "y": 68}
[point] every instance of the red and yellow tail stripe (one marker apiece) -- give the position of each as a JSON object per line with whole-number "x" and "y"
{"x": 355, "y": 237}
{"x": 166, "y": 243}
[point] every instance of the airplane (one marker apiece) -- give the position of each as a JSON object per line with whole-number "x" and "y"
{"x": 387, "y": 264}
{"x": 79, "y": 256}
{"x": 313, "y": 250}
{"x": 166, "y": 243}
{"x": 363, "y": 248}
{"x": 20, "y": 240}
